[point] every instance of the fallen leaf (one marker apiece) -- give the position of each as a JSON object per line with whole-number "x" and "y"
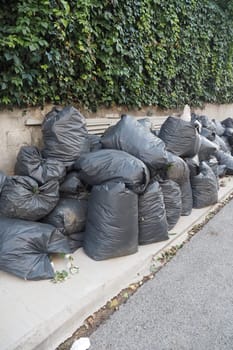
{"x": 114, "y": 303}
{"x": 133, "y": 286}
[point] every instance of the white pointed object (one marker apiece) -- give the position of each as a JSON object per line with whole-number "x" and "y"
{"x": 186, "y": 115}
{"x": 81, "y": 344}
{"x": 196, "y": 159}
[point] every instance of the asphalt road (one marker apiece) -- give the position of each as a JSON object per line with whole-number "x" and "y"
{"x": 189, "y": 303}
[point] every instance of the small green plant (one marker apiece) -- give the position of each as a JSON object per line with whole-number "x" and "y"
{"x": 61, "y": 276}
{"x": 73, "y": 269}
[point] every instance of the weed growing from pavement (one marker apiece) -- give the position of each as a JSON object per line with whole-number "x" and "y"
{"x": 61, "y": 276}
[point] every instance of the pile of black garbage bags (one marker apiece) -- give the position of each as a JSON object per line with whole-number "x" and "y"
{"x": 107, "y": 194}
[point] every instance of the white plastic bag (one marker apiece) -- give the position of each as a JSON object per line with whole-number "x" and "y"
{"x": 81, "y": 344}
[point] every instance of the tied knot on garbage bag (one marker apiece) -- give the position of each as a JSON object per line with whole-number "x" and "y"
{"x": 31, "y": 163}
{"x": 22, "y": 198}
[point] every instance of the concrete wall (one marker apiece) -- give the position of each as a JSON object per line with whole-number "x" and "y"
{"x": 215, "y": 111}
{"x": 14, "y": 134}
{"x": 22, "y": 127}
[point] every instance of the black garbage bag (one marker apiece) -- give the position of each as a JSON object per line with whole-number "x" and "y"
{"x": 107, "y": 165}
{"x": 153, "y": 225}
{"x": 204, "y": 187}
{"x": 178, "y": 171}
{"x": 227, "y": 160}
{"x": 219, "y": 128}
{"x": 228, "y": 146}
{"x": 25, "y": 247}
{"x": 208, "y": 133}
{"x": 227, "y": 123}
{"x": 130, "y": 136}
{"x": 155, "y": 132}
{"x": 205, "y": 121}
{"x": 95, "y": 142}
{"x": 207, "y": 149}
{"x": 219, "y": 170}
{"x": 208, "y": 127}
{"x": 172, "y": 200}
{"x": 30, "y": 163}
{"x": 223, "y": 144}
{"x": 65, "y": 135}
{"x": 72, "y": 185}
{"x": 186, "y": 197}
{"x": 23, "y": 198}
{"x": 146, "y": 122}
{"x": 193, "y": 165}
{"x": 2, "y": 180}
{"x": 180, "y": 137}
{"x": 213, "y": 164}
{"x": 229, "y": 134}
{"x": 75, "y": 241}
{"x": 112, "y": 222}
{"x": 69, "y": 216}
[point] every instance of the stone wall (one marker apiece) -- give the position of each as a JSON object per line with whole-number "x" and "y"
{"x": 22, "y": 127}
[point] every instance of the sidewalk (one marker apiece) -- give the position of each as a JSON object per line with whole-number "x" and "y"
{"x": 40, "y": 315}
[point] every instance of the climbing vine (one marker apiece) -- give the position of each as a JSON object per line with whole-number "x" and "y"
{"x": 115, "y": 52}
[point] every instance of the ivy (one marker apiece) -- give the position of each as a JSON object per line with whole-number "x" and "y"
{"x": 115, "y": 52}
